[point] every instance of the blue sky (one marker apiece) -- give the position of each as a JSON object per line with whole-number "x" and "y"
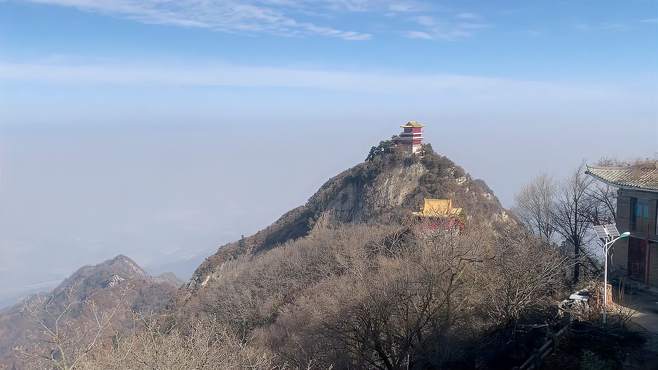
{"x": 546, "y": 40}
{"x": 139, "y": 62}
{"x": 86, "y": 61}
{"x": 160, "y": 129}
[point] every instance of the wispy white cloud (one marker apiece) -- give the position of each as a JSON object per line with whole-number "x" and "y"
{"x": 602, "y": 26}
{"x": 405, "y": 6}
{"x": 243, "y": 76}
{"x": 469, "y": 16}
{"x": 625, "y": 25}
{"x": 291, "y": 18}
{"x": 279, "y": 17}
{"x": 461, "y": 25}
{"x": 419, "y": 35}
{"x": 363, "y": 5}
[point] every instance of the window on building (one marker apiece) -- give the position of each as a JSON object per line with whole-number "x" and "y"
{"x": 640, "y": 215}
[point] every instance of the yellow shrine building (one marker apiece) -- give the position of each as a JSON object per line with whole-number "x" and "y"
{"x": 435, "y": 208}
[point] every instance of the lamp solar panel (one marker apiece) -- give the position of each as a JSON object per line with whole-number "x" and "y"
{"x": 612, "y": 230}
{"x": 601, "y": 231}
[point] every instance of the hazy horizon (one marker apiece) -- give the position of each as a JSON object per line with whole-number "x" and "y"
{"x": 162, "y": 131}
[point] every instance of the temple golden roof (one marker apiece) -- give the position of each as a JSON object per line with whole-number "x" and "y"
{"x": 412, "y": 124}
{"x": 439, "y": 208}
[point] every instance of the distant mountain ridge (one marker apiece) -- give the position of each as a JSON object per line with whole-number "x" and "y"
{"x": 115, "y": 282}
{"x": 88, "y": 279}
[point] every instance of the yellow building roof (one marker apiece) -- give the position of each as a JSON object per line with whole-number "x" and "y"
{"x": 439, "y": 208}
{"x": 412, "y": 124}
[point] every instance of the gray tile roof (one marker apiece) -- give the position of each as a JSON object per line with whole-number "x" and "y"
{"x": 641, "y": 177}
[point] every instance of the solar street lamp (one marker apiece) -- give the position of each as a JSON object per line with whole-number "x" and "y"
{"x": 609, "y": 235}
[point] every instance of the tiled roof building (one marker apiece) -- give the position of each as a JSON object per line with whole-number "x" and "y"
{"x": 411, "y": 137}
{"x": 640, "y": 177}
{"x": 637, "y": 212}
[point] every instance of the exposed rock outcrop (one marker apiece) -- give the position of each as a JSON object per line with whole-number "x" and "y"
{"x": 385, "y": 188}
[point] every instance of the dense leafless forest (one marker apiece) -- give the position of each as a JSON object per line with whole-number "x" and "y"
{"x": 392, "y": 293}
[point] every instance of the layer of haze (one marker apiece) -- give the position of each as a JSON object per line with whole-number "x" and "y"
{"x": 78, "y": 194}
{"x": 160, "y": 132}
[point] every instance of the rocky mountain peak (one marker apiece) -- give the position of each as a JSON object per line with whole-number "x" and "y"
{"x": 388, "y": 186}
{"x": 107, "y": 274}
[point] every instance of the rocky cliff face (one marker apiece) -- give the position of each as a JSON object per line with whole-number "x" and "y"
{"x": 116, "y": 283}
{"x": 387, "y": 187}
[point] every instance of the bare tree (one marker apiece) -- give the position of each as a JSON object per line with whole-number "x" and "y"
{"x": 534, "y": 206}
{"x": 603, "y": 198}
{"x": 403, "y": 313}
{"x": 567, "y": 210}
{"x": 80, "y": 335}
{"x": 61, "y": 342}
{"x": 524, "y": 274}
{"x": 571, "y": 214}
{"x": 357, "y": 296}
{"x": 208, "y": 345}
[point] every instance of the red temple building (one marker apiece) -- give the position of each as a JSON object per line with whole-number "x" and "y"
{"x": 411, "y": 138}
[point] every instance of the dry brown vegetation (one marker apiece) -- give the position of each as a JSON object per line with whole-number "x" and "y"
{"x": 207, "y": 345}
{"x": 81, "y": 316}
{"x": 384, "y": 189}
{"x": 61, "y": 331}
{"x": 356, "y": 296}
{"x": 321, "y": 288}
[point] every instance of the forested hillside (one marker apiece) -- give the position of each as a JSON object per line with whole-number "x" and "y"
{"x": 385, "y": 188}
{"x": 351, "y": 279}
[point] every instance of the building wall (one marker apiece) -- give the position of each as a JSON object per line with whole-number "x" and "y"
{"x": 624, "y": 213}
{"x": 643, "y": 239}
{"x": 638, "y": 256}
{"x": 619, "y": 257}
{"x": 620, "y": 250}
